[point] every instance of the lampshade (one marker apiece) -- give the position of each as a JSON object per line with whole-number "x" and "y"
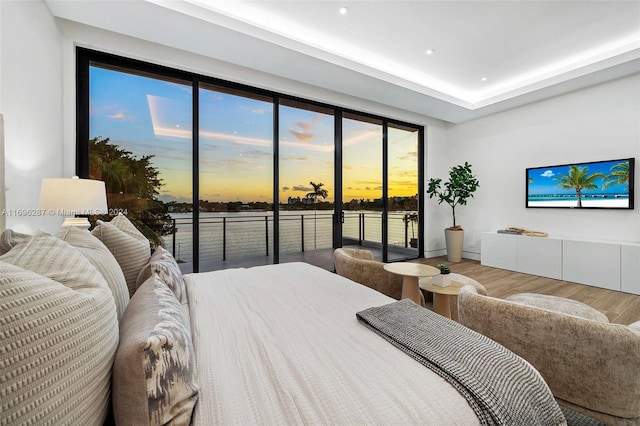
{"x": 74, "y": 196}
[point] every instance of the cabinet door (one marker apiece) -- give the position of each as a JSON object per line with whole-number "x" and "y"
{"x": 630, "y": 268}
{"x": 498, "y": 250}
{"x": 540, "y": 256}
{"x": 591, "y": 263}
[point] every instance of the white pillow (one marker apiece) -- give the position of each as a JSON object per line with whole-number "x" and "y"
{"x": 59, "y": 335}
{"x": 130, "y": 248}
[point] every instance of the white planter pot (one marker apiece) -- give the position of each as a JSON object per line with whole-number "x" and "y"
{"x": 454, "y": 239}
{"x": 441, "y": 280}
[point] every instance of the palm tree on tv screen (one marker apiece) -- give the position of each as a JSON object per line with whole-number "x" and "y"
{"x": 579, "y": 180}
{"x": 619, "y": 175}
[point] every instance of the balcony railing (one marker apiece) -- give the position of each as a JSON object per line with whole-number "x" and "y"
{"x": 235, "y": 235}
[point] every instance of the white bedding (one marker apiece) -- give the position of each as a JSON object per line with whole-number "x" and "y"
{"x": 281, "y": 344}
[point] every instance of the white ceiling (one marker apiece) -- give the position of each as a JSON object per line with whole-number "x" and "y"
{"x": 527, "y": 50}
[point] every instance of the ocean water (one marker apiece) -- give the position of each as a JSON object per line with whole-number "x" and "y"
{"x": 238, "y": 234}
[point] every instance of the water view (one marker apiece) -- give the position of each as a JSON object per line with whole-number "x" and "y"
{"x": 225, "y": 235}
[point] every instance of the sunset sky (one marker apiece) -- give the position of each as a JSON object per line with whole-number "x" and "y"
{"x": 153, "y": 117}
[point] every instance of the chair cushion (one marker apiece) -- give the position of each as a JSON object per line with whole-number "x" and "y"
{"x": 100, "y": 257}
{"x": 59, "y": 324}
{"x": 130, "y": 248}
{"x": 154, "y": 370}
{"x": 560, "y": 305}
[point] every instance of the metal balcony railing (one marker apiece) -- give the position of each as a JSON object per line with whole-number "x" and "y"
{"x": 235, "y": 235}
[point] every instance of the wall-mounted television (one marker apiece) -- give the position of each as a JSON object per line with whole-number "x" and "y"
{"x": 592, "y": 185}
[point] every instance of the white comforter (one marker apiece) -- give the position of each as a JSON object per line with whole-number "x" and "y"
{"x": 280, "y": 344}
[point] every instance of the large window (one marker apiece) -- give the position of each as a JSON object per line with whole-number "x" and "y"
{"x": 235, "y": 175}
{"x": 306, "y": 171}
{"x": 223, "y": 174}
{"x": 140, "y": 144}
{"x": 362, "y": 181}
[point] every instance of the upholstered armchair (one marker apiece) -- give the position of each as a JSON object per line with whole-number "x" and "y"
{"x": 591, "y": 366}
{"x": 358, "y": 265}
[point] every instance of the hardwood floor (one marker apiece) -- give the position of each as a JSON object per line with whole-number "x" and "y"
{"x": 621, "y": 308}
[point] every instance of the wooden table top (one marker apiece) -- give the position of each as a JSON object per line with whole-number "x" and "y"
{"x": 410, "y": 269}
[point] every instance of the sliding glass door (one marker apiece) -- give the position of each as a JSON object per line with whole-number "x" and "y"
{"x": 235, "y": 164}
{"x": 306, "y": 190}
{"x": 362, "y": 182}
{"x": 403, "y": 191}
{"x": 140, "y": 145}
{"x": 225, "y": 175}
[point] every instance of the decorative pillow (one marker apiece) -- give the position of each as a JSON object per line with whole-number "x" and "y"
{"x": 9, "y": 238}
{"x": 57, "y": 344}
{"x": 100, "y": 257}
{"x": 154, "y": 370}
{"x": 165, "y": 266}
{"x": 130, "y": 248}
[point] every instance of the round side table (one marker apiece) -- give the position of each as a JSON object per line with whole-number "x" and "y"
{"x": 410, "y": 273}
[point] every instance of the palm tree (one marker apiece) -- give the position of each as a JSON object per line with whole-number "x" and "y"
{"x": 317, "y": 192}
{"x": 578, "y": 179}
{"x": 619, "y": 175}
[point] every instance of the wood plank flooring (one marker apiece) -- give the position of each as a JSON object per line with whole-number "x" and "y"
{"x": 621, "y": 308}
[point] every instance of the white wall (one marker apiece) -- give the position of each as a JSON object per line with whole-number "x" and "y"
{"x": 31, "y": 102}
{"x": 597, "y": 123}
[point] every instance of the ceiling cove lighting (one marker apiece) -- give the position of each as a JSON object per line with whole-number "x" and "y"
{"x": 344, "y": 10}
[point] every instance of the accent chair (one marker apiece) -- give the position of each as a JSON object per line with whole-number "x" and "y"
{"x": 591, "y": 366}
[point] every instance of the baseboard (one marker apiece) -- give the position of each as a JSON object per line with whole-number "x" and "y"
{"x": 443, "y": 252}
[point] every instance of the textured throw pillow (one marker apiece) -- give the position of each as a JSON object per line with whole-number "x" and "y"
{"x": 127, "y": 244}
{"x": 154, "y": 370}
{"x": 163, "y": 264}
{"x": 100, "y": 257}
{"x": 57, "y": 344}
{"x": 9, "y": 238}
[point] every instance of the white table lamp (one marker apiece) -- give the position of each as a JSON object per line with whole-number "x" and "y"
{"x": 74, "y": 196}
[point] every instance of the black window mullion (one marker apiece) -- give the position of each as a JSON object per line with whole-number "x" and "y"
{"x": 385, "y": 190}
{"x": 276, "y": 179}
{"x": 82, "y": 115}
{"x": 195, "y": 169}
{"x": 337, "y": 204}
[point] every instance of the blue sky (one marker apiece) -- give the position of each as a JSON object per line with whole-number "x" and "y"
{"x": 148, "y": 116}
{"x": 545, "y": 183}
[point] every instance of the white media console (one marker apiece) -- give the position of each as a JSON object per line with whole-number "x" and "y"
{"x": 608, "y": 264}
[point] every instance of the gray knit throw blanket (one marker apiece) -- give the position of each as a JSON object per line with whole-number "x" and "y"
{"x": 501, "y": 387}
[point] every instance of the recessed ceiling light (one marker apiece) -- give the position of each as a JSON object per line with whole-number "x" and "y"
{"x": 430, "y": 51}
{"x": 343, "y": 10}
{"x": 484, "y": 79}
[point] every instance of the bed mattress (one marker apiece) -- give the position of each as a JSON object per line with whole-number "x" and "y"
{"x": 280, "y": 344}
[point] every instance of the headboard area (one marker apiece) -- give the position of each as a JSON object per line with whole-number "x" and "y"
{"x": 3, "y": 216}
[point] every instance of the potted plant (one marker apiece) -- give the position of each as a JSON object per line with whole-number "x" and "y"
{"x": 443, "y": 279}
{"x": 460, "y": 186}
{"x": 411, "y": 218}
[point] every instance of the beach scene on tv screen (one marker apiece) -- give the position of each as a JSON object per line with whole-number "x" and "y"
{"x": 601, "y": 184}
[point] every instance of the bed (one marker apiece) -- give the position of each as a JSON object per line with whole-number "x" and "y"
{"x": 295, "y": 353}
{"x": 97, "y": 329}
